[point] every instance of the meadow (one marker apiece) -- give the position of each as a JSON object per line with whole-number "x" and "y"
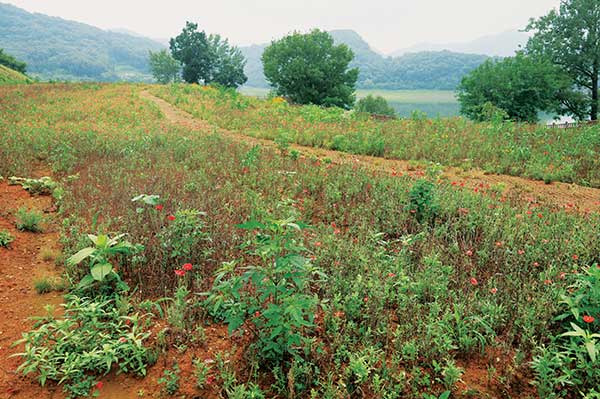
{"x": 330, "y": 281}
{"x": 434, "y": 103}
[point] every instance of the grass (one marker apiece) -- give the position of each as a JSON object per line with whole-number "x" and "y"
{"x": 29, "y": 220}
{"x": 532, "y": 151}
{"x": 9, "y": 76}
{"x": 389, "y": 287}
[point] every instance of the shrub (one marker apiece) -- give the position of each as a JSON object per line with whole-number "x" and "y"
{"x": 29, "y": 220}
{"x": 6, "y": 238}
{"x": 375, "y": 105}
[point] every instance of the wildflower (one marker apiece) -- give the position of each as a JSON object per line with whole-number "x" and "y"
{"x": 469, "y": 252}
{"x": 562, "y": 275}
{"x": 187, "y": 267}
{"x": 588, "y": 319}
{"x": 536, "y": 264}
{"x": 494, "y": 290}
{"x": 318, "y": 244}
{"x": 547, "y": 282}
{"x": 159, "y": 207}
{"x": 540, "y": 215}
{"x": 474, "y": 281}
{"x": 575, "y": 257}
{"x": 171, "y": 217}
{"x": 122, "y": 340}
{"x": 520, "y": 252}
{"x": 257, "y": 314}
{"x": 210, "y": 380}
{"x": 391, "y": 275}
{"x": 366, "y": 299}
{"x": 180, "y": 272}
{"x": 99, "y": 384}
{"x": 499, "y": 244}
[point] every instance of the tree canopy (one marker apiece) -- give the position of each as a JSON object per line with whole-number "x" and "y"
{"x": 570, "y": 38}
{"x": 521, "y": 86}
{"x": 164, "y": 68}
{"x": 207, "y": 59}
{"x": 11, "y": 62}
{"x": 311, "y": 69}
{"x": 375, "y": 105}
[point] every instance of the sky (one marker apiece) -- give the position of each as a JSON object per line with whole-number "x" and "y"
{"x": 387, "y": 25}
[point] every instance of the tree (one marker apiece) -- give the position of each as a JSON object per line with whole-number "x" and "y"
{"x": 207, "y": 59}
{"x": 11, "y": 62}
{"x": 309, "y": 68}
{"x": 570, "y": 38}
{"x": 521, "y": 86}
{"x": 164, "y": 68}
{"x": 375, "y": 105}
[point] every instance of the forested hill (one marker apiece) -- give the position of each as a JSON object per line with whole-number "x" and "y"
{"x": 422, "y": 70}
{"x": 60, "y": 49}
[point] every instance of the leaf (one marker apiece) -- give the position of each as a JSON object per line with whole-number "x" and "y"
{"x": 86, "y": 281}
{"x": 100, "y": 271}
{"x": 251, "y": 225}
{"x": 591, "y": 349}
{"x": 81, "y": 255}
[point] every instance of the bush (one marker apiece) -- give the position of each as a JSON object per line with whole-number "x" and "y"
{"x": 29, "y": 220}
{"x": 375, "y": 105}
{"x": 6, "y": 238}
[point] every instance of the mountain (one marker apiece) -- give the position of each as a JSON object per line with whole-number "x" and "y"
{"x": 55, "y": 48}
{"x": 424, "y": 70}
{"x": 502, "y": 45}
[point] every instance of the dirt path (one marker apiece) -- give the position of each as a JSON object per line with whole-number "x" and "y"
{"x": 28, "y": 258}
{"x": 558, "y": 195}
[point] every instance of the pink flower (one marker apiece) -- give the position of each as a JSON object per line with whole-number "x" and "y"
{"x": 469, "y": 253}
{"x": 494, "y": 290}
{"x": 122, "y": 340}
{"x": 180, "y": 272}
{"x": 474, "y": 281}
{"x": 187, "y": 267}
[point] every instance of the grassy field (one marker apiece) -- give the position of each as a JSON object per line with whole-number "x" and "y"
{"x": 9, "y": 76}
{"x": 250, "y": 271}
{"x": 434, "y": 103}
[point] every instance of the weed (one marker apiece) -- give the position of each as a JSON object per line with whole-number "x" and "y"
{"x": 29, "y": 220}
{"x": 5, "y": 238}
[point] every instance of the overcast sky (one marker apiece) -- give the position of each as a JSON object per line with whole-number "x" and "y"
{"x": 387, "y": 25}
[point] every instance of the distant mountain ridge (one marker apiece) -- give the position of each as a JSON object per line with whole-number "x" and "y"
{"x": 55, "y": 48}
{"x": 424, "y": 70}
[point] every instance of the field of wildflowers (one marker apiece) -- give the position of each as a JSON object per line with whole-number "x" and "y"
{"x": 333, "y": 281}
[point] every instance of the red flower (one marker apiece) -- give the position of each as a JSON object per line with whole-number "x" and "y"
{"x": 187, "y": 267}
{"x": 122, "y": 340}
{"x": 575, "y": 257}
{"x": 536, "y": 264}
{"x": 494, "y": 290}
{"x": 521, "y": 252}
{"x": 159, "y": 207}
{"x": 469, "y": 252}
{"x": 257, "y": 314}
{"x": 171, "y": 217}
{"x": 588, "y": 319}
{"x": 474, "y": 281}
{"x": 99, "y": 384}
{"x": 318, "y": 244}
{"x": 499, "y": 244}
{"x": 180, "y": 273}
{"x": 391, "y": 275}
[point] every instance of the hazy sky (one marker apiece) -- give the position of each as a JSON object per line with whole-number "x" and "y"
{"x": 387, "y": 25}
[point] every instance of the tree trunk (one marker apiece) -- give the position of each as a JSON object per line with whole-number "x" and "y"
{"x": 594, "y": 108}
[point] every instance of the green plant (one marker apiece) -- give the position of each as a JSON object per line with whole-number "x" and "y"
{"x": 5, "y": 238}
{"x": 279, "y": 306}
{"x": 184, "y": 237}
{"x": 170, "y": 379}
{"x": 201, "y": 370}
{"x": 29, "y": 220}
{"x": 93, "y": 336}
{"x": 422, "y": 200}
{"x": 42, "y": 186}
{"x": 101, "y": 270}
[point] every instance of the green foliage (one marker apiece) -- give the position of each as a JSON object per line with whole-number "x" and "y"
{"x": 310, "y": 69}
{"x": 11, "y": 62}
{"x": 102, "y": 274}
{"x": 201, "y": 370}
{"x": 170, "y": 379}
{"x": 42, "y": 186}
{"x": 185, "y": 238}
{"x": 164, "y": 68}
{"x": 29, "y": 220}
{"x": 207, "y": 59}
{"x": 93, "y": 336}
{"x": 6, "y": 238}
{"x": 45, "y": 285}
{"x": 279, "y": 303}
{"x": 375, "y": 105}
{"x": 422, "y": 200}
{"x": 573, "y": 356}
{"x": 521, "y": 86}
{"x": 570, "y": 37}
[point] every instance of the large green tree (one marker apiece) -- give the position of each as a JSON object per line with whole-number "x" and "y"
{"x": 207, "y": 59}
{"x": 311, "y": 69}
{"x": 521, "y": 86}
{"x": 570, "y": 38}
{"x": 164, "y": 68}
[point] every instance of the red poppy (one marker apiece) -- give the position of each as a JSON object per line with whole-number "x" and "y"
{"x": 588, "y": 319}
{"x": 187, "y": 267}
{"x": 171, "y": 217}
{"x": 180, "y": 272}
{"x": 159, "y": 207}
{"x": 474, "y": 281}
{"x": 99, "y": 384}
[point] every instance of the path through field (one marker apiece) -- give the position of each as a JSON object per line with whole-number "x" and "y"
{"x": 558, "y": 195}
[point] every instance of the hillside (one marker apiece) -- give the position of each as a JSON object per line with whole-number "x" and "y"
{"x": 8, "y": 76}
{"x": 423, "y": 70}
{"x": 54, "y": 48}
